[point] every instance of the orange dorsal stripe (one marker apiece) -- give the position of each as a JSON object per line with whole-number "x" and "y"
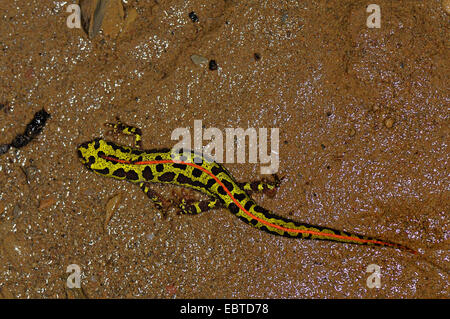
{"x": 302, "y": 231}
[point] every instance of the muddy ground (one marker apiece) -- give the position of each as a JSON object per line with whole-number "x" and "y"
{"x": 363, "y": 119}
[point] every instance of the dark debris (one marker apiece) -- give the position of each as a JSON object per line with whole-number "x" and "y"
{"x": 193, "y": 16}
{"x": 213, "y": 65}
{"x": 31, "y": 131}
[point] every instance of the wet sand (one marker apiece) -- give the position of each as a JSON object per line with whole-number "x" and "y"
{"x": 363, "y": 119}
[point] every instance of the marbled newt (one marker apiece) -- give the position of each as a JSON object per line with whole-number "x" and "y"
{"x": 189, "y": 169}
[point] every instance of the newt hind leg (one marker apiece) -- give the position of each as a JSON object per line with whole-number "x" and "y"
{"x": 193, "y": 208}
{"x": 161, "y": 203}
{"x": 190, "y": 207}
{"x": 262, "y": 186}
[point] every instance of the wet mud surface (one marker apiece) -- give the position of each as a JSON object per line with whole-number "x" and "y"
{"x": 363, "y": 119}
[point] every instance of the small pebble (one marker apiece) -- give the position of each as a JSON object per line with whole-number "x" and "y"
{"x": 389, "y": 122}
{"x": 351, "y": 132}
{"x": 16, "y": 211}
{"x": 45, "y": 203}
{"x": 198, "y": 59}
{"x": 193, "y": 16}
{"x": 212, "y": 65}
{"x": 31, "y": 173}
{"x": 4, "y": 148}
{"x": 446, "y": 5}
{"x": 111, "y": 207}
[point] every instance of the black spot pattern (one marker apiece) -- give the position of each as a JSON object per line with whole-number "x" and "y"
{"x": 268, "y": 214}
{"x": 196, "y": 172}
{"x": 228, "y": 185}
{"x": 136, "y": 151}
{"x": 210, "y": 183}
{"x": 216, "y": 170}
{"x": 104, "y": 171}
{"x": 114, "y": 146}
{"x": 167, "y": 177}
{"x": 254, "y": 222}
{"x": 119, "y": 173}
{"x": 221, "y": 190}
{"x": 139, "y": 159}
{"x": 259, "y": 209}
{"x": 248, "y": 205}
{"x": 233, "y": 208}
{"x": 91, "y": 161}
{"x": 147, "y": 173}
{"x": 179, "y": 166}
{"x": 160, "y": 168}
{"x": 132, "y": 175}
{"x": 182, "y": 179}
{"x": 239, "y": 197}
